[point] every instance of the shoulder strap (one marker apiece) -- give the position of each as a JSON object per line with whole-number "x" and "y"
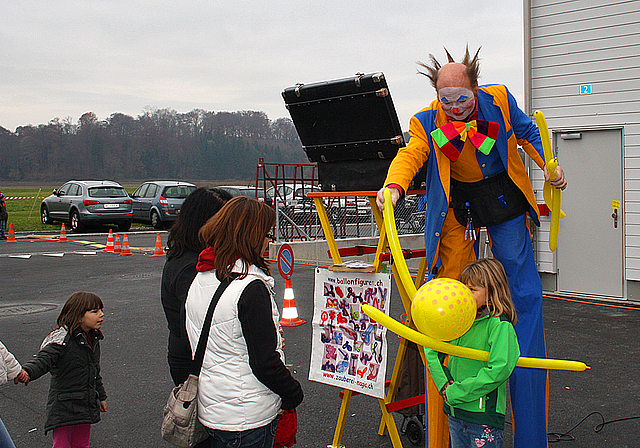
{"x": 204, "y": 335}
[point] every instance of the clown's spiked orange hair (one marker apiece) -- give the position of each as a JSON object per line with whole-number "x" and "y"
{"x": 472, "y": 64}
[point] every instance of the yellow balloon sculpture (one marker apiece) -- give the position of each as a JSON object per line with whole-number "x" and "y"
{"x": 428, "y": 341}
{"x": 550, "y": 193}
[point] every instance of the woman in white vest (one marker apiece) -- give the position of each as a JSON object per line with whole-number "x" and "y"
{"x": 244, "y": 384}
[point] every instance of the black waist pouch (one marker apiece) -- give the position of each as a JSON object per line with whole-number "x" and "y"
{"x": 488, "y": 202}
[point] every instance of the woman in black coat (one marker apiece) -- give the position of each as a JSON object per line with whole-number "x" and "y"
{"x": 180, "y": 270}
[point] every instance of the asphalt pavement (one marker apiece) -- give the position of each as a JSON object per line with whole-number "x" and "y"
{"x": 39, "y": 274}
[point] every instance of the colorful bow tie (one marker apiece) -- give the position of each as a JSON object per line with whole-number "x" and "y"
{"x": 451, "y": 136}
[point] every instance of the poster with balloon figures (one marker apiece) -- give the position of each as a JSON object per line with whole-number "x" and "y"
{"x": 349, "y": 349}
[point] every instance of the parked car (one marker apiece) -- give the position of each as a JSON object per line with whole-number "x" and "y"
{"x": 81, "y": 203}
{"x": 293, "y": 200}
{"x": 158, "y": 202}
{"x": 248, "y": 191}
{"x": 288, "y": 195}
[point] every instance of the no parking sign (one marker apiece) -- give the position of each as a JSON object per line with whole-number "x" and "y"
{"x": 285, "y": 261}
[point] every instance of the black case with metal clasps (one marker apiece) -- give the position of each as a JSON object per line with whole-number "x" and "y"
{"x": 349, "y": 127}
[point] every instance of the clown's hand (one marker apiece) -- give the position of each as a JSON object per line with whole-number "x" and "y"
{"x": 560, "y": 181}
{"x": 395, "y": 196}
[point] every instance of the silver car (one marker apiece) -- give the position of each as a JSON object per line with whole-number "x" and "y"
{"x": 158, "y": 202}
{"x": 248, "y": 191}
{"x": 81, "y": 203}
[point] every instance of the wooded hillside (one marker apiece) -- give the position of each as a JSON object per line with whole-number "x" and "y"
{"x": 158, "y": 144}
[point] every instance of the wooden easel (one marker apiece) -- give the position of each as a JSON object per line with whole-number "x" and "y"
{"x": 387, "y": 420}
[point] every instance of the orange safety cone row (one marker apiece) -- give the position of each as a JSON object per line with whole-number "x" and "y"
{"x": 125, "y": 246}
{"x": 158, "y": 251}
{"x": 110, "y": 247}
{"x": 289, "y": 311}
{"x": 63, "y": 235}
{"x": 12, "y": 235}
{"x": 116, "y": 247}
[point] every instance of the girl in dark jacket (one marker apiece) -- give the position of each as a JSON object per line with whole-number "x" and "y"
{"x": 71, "y": 352}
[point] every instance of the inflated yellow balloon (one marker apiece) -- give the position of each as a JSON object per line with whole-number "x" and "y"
{"x": 394, "y": 244}
{"x": 444, "y": 309}
{"x": 551, "y": 194}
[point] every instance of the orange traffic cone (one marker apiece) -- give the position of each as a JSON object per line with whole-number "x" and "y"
{"x": 110, "y": 246}
{"x": 116, "y": 247}
{"x": 125, "y": 246}
{"x": 63, "y": 235}
{"x": 12, "y": 235}
{"x": 289, "y": 312}
{"x": 158, "y": 251}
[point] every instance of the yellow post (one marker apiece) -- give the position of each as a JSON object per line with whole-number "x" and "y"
{"x": 328, "y": 233}
{"x": 342, "y": 417}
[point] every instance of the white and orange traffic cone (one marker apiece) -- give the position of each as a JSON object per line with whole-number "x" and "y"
{"x": 110, "y": 247}
{"x": 125, "y": 246}
{"x": 12, "y": 235}
{"x": 63, "y": 235}
{"x": 116, "y": 246}
{"x": 289, "y": 311}
{"x": 158, "y": 251}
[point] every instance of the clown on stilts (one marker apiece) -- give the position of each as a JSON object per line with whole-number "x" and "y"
{"x": 467, "y": 140}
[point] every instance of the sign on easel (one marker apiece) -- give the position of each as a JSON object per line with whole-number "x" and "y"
{"x": 348, "y": 350}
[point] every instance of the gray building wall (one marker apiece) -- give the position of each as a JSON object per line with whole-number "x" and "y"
{"x": 570, "y": 43}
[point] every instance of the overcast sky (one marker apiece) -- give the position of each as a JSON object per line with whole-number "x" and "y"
{"x": 64, "y": 58}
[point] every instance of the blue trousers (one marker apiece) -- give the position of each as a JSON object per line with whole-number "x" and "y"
{"x": 511, "y": 245}
{"x": 471, "y": 435}
{"x": 262, "y": 437}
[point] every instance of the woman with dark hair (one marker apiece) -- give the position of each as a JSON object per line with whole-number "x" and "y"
{"x": 180, "y": 269}
{"x": 244, "y": 384}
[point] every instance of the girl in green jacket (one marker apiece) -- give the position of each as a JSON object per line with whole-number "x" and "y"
{"x": 474, "y": 392}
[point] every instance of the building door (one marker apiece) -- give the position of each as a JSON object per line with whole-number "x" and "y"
{"x": 590, "y": 250}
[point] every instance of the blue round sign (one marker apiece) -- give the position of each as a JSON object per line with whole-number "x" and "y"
{"x": 285, "y": 261}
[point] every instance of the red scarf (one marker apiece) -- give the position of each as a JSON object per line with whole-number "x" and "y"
{"x": 207, "y": 260}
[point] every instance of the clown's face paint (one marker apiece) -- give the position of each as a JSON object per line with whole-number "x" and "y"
{"x": 457, "y": 102}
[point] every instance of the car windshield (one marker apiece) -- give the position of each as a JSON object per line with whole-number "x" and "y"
{"x": 107, "y": 192}
{"x": 178, "y": 191}
{"x": 285, "y": 191}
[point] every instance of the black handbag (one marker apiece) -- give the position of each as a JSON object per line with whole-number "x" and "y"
{"x": 180, "y": 423}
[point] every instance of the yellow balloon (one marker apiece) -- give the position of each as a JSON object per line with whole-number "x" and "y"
{"x": 394, "y": 245}
{"x": 551, "y": 194}
{"x": 464, "y": 352}
{"x": 444, "y": 309}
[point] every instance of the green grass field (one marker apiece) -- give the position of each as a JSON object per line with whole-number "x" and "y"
{"x": 24, "y": 214}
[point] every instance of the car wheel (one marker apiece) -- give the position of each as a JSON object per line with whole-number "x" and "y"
{"x": 124, "y": 226}
{"x": 76, "y": 225}
{"x": 155, "y": 220}
{"x": 44, "y": 215}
